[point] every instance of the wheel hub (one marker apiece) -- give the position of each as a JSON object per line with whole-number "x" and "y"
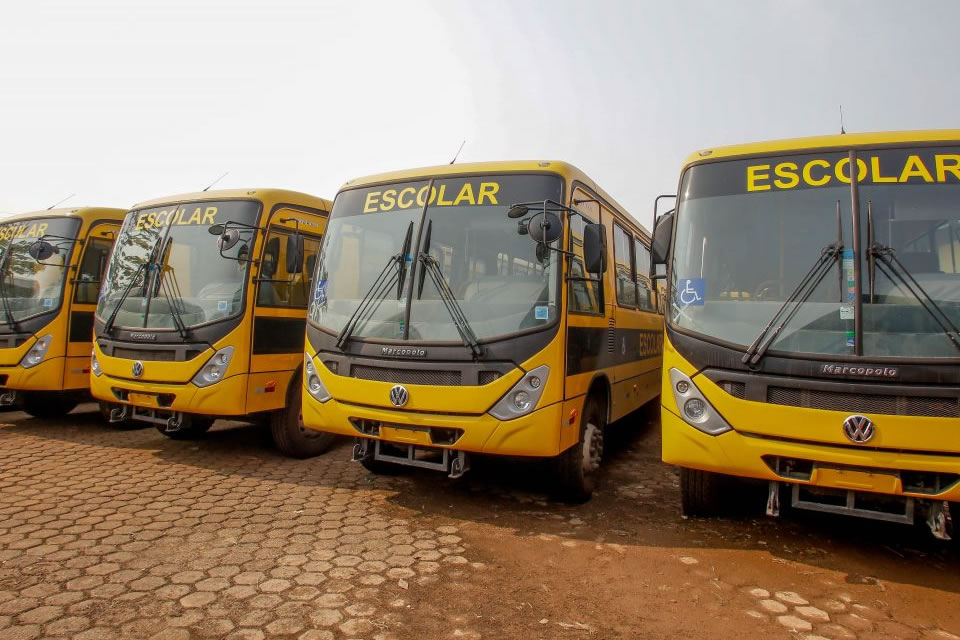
{"x": 592, "y": 448}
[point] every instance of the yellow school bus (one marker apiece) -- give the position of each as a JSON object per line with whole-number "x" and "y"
{"x": 202, "y": 315}
{"x": 51, "y": 264}
{"x": 811, "y": 334}
{"x": 497, "y": 308}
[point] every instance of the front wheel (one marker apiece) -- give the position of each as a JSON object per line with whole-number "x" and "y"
{"x": 578, "y": 466}
{"x": 191, "y": 427}
{"x": 701, "y": 493}
{"x": 48, "y": 405}
{"x": 290, "y": 436}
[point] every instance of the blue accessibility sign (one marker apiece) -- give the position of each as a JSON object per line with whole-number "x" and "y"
{"x": 691, "y": 292}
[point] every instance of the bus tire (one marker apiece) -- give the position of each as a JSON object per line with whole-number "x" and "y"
{"x": 48, "y": 405}
{"x": 290, "y": 437}
{"x": 701, "y": 493}
{"x": 578, "y": 466}
{"x": 196, "y": 427}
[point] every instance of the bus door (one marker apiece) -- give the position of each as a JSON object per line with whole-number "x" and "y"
{"x": 282, "y": 293}
{"x": 589, "y": 320}
{"x": 95, "y": 252}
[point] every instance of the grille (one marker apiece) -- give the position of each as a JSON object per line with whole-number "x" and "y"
{"x": 405, "y": 376}
{"x": 866, "y": 403}
{"x": 736, "y": 389}
{"x": 486, "y": 377}
{"x": 611, "y": 335}
{"x": 155, "y": 355}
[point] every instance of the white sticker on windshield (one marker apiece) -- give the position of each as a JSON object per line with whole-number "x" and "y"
{"x": 846, "y": 312}
{"x": 541, "y": 313}
{"x": 222, "y": 305}
{"x": 48, "y": 302}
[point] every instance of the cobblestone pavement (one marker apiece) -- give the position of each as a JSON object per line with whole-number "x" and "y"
{"x": 125, "y": 534}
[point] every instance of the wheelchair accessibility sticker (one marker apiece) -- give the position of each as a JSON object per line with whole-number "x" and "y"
{"x": 691, "y": 292}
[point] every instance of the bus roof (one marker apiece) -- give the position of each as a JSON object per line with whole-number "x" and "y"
{"x": 279, "y": 195}
{"x": 837, "y": 141}
{"x": 84, "y": 213}
{"x": 558, "y": 167}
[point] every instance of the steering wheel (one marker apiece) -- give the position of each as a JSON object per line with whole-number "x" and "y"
{"x": 764, "y": 288}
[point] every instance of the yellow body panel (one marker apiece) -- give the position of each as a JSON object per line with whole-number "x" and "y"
{"x": 554, "y": 425}
{"x": 254, "y": 382}
{"x": 66, "y": 366}
{"x": 762, "y": 429}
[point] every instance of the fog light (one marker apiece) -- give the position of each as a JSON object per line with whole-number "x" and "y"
{"x": 694, "y": 408}
{"x": 521, "y": 401}
{"x": 683, "y": 386}
{"x": 534, "y": 382}
{"x": 315, "y": 384}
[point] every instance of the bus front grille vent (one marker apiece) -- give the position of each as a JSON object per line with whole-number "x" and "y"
{"x": 934, "y": 407}
{"x": 406, "y": 376}
{"x": 486, "y": 377}
{"x": 736, "y": 389}
{"x": 154, "y": 355}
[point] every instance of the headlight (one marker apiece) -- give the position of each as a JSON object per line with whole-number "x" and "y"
{"x": 694, "y": 408}
{"x": 312, "y": 380}
{"x": 523, "y": 396}
{"x": 37, "y": 352}
{"x": 95, "y": 364}
{"x": 215, "y": 368}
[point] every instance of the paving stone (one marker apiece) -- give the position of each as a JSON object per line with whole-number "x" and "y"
{"x": 813, "y": 613}
{"x": 790, "y": 597}
{"x": 794, "y": 623}
{"x": 773, "y": 606}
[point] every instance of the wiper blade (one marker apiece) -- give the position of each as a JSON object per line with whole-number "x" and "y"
{"x": 460, "y": 321}
{"x": 377, "y": 292}
{"x": 171, "y": 291}
{"x": 885, "y": 259}
{"x": 108, "y": 325}
{"x": 829, "y": 256}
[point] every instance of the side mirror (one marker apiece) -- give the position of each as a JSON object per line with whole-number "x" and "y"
{"x": 595, "y": 248}
{"x": 228, "y": 238}
{"x": 662, "y": 233}
{"x": 41, "y": 250}
{"x": 215, "y": 230}
{"x": 268, "y": 268}
{"x": 545, "y": 227}
{"x": 294, "y": 253}
{"x": 517, "y": 211}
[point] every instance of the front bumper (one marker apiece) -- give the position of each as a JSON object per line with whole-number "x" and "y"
{"x": 535, "y": 434}
{"x": 225, "y": 398}
{"x": 46, "y": 376}
{"x": 736, "y": 454}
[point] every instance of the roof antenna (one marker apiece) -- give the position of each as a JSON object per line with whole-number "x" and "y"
{"x": 842, "y": 130}
{"x": 61, "y": 202}
{"x": 458, "y": 152}
{"x": 207, "y": 188}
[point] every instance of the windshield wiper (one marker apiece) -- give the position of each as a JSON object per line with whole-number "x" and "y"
{"x": 460, "y": 321}
{"x": 108, "y": 325}
{"x": 378, "y": 290}
{"x": 829, "y": 256}
{"x": 7, "y": 311}
{"x": 171, "y": 291}
{"x": 885, "y": 259}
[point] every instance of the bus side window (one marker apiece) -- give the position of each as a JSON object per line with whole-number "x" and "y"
{"x": 646, "y": 298}
{"x": 95, "y": 256}
{"x": 623, "y": 259}
{"x": 584, "y": 289}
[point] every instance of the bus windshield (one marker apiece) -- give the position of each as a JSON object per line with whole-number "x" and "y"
{"x": 747, "y": 231}
{"x": 493, "y": 273}
{"x": 29, "y": 287}
{"x": 166, "y": 262}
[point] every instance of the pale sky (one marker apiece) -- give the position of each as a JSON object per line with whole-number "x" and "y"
{"x": 125, "y": 101}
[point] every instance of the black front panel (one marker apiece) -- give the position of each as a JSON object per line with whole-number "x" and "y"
{"x": 594, "y": 348}
{"x": 704, "y": 354}
{"x": 277, "y": 335}
{"x": 81, "y": 326}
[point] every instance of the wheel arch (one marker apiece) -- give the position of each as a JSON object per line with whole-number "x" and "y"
{"x": 600, "y": 388}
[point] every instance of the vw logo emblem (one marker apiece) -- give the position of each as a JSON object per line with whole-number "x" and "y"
{"x": 859, "y": 429}
{"x": 399, "y": 395}
{"x": 137, "y": 369}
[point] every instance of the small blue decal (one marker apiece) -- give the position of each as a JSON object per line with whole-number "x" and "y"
{"x": 541, "y": 313}
{"x": 222, "y": 305}
{"x": 692, "y": 292}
